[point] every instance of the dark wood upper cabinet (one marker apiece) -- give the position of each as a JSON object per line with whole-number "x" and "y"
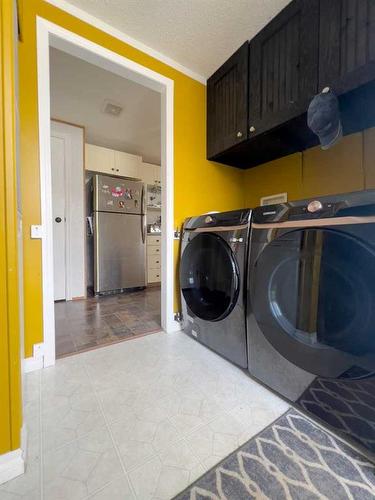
{"x": 257, "y": 101}
{"x": 347, "y": 44}
{"x": 283, "y": 71}
{"x": 227, "y": 97}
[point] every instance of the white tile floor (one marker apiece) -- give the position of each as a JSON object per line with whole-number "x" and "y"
{"x": 136, "y": 420}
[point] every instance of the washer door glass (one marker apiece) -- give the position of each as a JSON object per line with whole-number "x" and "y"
{"x": 313, "y": 296}
{"x": 209, "y": 277}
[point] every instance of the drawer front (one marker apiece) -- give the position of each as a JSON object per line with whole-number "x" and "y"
{"x": 153, "y": 240}
{"x": 153, "y": 261}
{"x": 153, "y": 250}
{"x": 154, "y": 275}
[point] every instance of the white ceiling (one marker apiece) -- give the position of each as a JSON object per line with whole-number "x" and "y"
{"x": 78, "y": 92}
{"x": 198, "y": 34}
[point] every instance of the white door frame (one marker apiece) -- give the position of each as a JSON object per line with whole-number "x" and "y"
{"x": 50, "y": 34}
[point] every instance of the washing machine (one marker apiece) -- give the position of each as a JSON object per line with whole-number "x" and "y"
{"x": 213, "y": 281}
{"x": 311, "y": 308}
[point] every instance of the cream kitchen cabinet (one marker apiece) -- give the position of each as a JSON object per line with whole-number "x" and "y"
{"x": 98, "y": 159}
{"x": 127, "y": 165}
{"x": 150, "y": 173}
{"x": 109, "y": 161}
{"x": 154, "y": 240}
{"x": 153, "y": 258}
{"x": 154, "y": 275}
{"x": 157, "y": 175}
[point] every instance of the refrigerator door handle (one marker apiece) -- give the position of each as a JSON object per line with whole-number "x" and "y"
{"x": 143, "y": 218}
{"x": 143, "y": 228}
{"x": 143, "y": 200}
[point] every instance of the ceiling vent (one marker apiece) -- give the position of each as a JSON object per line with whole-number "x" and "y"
{"x": 111, "y": 108}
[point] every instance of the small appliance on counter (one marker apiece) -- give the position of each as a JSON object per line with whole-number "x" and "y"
{"x": 213, "y": 281}
{"x": 154, "y": 227}
{"x": 116, "y": 238}
{"x": 311, "y": 308}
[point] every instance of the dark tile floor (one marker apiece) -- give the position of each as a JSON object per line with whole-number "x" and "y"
{"x": 96, "y": 321}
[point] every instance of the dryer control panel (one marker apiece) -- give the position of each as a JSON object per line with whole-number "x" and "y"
{"x": 313, "y": 209}
{"x": 357, "y": 204}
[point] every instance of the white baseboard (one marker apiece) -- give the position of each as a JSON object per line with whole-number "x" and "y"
{"x": 32, "y": 364}
{"x": 12, "y": 464}
{"x": 36, "y": 362}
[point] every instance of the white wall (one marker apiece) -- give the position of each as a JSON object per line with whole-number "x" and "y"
{"x": 75, "y": 206}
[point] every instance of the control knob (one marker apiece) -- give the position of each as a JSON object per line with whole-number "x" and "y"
{"x": 314, "y": 206}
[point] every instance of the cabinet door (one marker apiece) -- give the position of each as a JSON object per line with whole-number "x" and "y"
{"x": 157, "y": 175}
{"x": 150, "y": 173}
{"x": 153, "y": 275}
{"x": 127, "y": 165}
{"x": 347, "y": 44}
{"x": 284, "y": 66}
{"x": 227, "y": 101}
{"x": 147, "y": 173}
{"x": 98, "y": 159}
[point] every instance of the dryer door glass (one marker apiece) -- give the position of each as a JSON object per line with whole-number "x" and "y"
{"x": 209, "y": 277}
{"x": 313, "y": 296}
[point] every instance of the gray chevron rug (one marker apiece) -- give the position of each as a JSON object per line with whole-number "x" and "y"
{"x": 293, "y": 458}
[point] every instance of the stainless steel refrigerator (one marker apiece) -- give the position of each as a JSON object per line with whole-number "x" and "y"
{"x": 118, "y": 228}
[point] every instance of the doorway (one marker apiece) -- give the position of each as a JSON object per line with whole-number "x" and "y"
{"x": 50, "y": 35}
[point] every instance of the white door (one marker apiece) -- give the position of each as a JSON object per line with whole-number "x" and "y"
{"x": 58, "y": 210}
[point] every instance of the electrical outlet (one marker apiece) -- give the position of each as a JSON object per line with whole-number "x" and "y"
{"x": 36, "y": 231}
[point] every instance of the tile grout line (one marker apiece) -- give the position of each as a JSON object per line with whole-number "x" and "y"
{"x": 109, "y": 431}
{"x": 85, "y": 364}
{"x": 41, "y": 460}
{"x": 183, "y": 437}
{"x": 156, "y": 455}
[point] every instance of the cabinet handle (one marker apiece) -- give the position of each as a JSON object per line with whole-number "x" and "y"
{"x": 117, "y": 170}
{"x": 252, "y": 129}
{"x": 112, "y": 169}
{"x": 239, "y": 134}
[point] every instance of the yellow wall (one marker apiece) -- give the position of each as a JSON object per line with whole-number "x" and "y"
{"x": 348, "y": 166}
{"x": 10, "y": 386}
{"x": 199, "y": 185}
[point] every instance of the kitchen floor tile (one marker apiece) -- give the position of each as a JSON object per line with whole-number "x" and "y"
{"x": 83, "y": 325}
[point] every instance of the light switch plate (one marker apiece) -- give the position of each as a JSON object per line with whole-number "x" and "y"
{"x": 36, "y": 231}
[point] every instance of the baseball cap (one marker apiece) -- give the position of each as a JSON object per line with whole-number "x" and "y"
{"x": 323, "y": 118}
